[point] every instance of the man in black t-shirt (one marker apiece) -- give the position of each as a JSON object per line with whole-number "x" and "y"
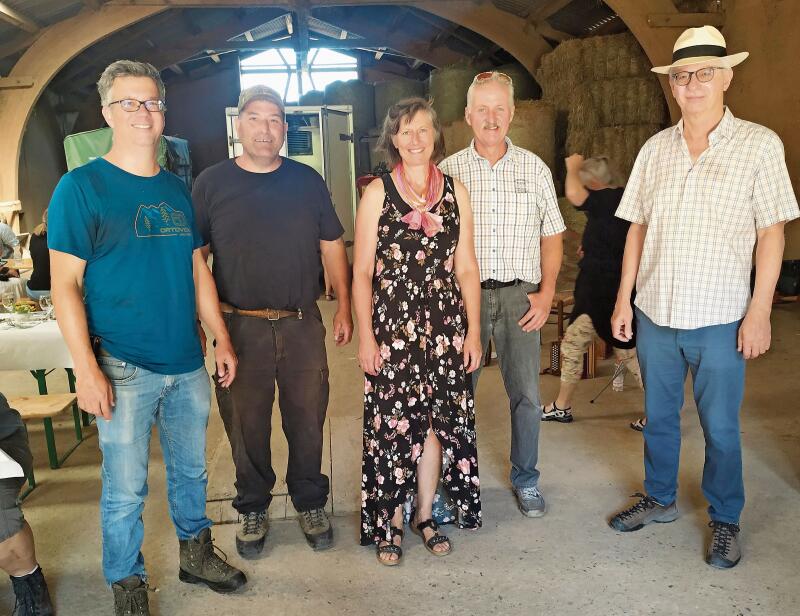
{"x": 267, "y": 219}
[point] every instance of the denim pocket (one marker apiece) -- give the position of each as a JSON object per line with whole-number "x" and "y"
{"x": 116, "y": 370}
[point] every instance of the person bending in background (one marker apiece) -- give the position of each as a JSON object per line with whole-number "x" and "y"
{"x": 590, "y": 186}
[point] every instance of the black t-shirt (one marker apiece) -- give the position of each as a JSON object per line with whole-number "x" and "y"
{"x": 604, "y": 236}
{"x": 40, "y": 277}
{"x": 264, "y": 230}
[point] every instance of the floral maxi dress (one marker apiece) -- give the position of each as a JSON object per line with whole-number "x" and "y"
{"x": 419, "y": 323}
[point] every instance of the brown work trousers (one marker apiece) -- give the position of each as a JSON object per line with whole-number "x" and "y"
{"x": 289, "y": 352}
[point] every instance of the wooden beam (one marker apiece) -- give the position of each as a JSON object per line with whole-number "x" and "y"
{"x": 264, "y": 45}
{"x": 55, "y": 47}
{"x": 685, "y": 20}
{"x": 15, "y": 18}
{"x": 15, "y": 83}
{"x": 18, "y": 43}
{"x": 548, "y": 9}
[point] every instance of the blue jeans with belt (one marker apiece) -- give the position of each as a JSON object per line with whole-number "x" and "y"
{"x": 519, "y": 355}
{"x": 666, "y": 355}
{"x": 179, "y": 404}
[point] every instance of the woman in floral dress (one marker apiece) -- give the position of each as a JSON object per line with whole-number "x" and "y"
{"x": 416, "y": 291}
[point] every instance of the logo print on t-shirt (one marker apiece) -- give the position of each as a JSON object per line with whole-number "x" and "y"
{"x": 160, "y": 221}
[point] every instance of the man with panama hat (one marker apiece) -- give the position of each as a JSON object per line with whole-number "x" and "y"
{"x": 701, "y": 195}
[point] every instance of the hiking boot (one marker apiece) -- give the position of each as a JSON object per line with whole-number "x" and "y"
{"x": 316, "y": 527}
{"x": 530, "y": 502}
{"x": 199, "y": 564}
{"x": 130, "y": 597}
{"x": 724, "y": 552}
{"x": 33, "y": 599}
{"x": 645, "y": 511}
{"x": 552, "y": 413}
{"x": 251, "y": 533}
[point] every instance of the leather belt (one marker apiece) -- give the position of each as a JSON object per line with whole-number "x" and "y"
{"x": 492, "y": 284}
{"x": 270, "y": 314}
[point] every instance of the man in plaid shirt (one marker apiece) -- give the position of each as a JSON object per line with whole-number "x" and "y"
{"x": 700, "y": 196}
{"x": 518, "y": 242}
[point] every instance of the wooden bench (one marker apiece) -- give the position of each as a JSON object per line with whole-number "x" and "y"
{"x": 45, "y": 407}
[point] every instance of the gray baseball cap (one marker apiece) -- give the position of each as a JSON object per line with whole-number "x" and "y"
{"x": 260, "y": 93}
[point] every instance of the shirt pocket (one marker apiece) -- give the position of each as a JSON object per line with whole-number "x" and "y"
{"x": 525, "y": 216}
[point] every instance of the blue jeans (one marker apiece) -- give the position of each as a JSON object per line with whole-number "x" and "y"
{"x": 179, "y": 404}
{"x": 665, "y": 356}
{"x": 518, "y": 353}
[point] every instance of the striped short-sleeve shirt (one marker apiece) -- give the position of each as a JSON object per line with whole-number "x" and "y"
{"x": 702, "y": 219}
{"x": 514, "y": 205}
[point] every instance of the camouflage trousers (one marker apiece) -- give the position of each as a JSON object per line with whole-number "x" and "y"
{"x": 576, "y": 342}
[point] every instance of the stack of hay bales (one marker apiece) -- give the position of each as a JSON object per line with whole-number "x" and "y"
{"x": 312, "y": 98}
{"x": 533, "y": 129}
{"x": 387, "y": 93}
{"x": 606, "y": 99}
{"x": 525, "y": 86}
{"x": 448, "y": 86}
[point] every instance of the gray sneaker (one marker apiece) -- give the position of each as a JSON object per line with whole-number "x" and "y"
{"x": 723, "y": 551}
{"x": 130, "y": 597}
{"x": 645, "y": 511}
{"x": 530, "y": 502}
{"x": 316, "y": 527}
{"x": 251, "y": 533}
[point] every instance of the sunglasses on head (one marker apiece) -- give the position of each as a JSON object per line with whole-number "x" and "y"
{"x": 489, "y": 75}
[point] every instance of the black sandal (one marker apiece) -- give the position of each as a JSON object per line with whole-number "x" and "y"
{"x": 391, "y": 548}
{"x": 435, "y": 540}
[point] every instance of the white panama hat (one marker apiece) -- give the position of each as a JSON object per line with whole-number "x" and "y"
{"x": 701, "y": 45}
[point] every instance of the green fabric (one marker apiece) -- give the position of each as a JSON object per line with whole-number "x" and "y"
{"x": 81, "y": 148}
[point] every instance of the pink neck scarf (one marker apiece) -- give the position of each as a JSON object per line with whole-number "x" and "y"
{"x": 420, "y": 216}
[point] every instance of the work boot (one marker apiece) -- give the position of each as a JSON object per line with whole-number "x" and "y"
{"x": 723, "y": 551}
{"x": 199, "y": 564}
{"x": 530, "y": 502}
{"x": 645, "y": 511}
{"x": 130, "y": 597}
{"x": 33, "y": 599}
{"x": 317, "y": 528}
{"x": 251, "y": 533}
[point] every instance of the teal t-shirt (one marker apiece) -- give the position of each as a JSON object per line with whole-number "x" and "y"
{"x": 137, "y": 235}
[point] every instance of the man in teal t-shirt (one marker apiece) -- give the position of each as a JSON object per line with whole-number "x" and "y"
{"x": 128, "y": 283}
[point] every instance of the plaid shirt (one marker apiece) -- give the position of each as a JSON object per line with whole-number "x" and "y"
{"x": 702, "y": 220}
{"x": 514, "y": 204}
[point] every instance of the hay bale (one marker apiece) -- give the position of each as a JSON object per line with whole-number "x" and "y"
{"x": 525, "y": 87}
{"x": 457, "y": 136}
{"x": 387, "y": 93}
{"x": 313, "y": 98}
{"x": 447, "y": 88}
{"x": 360, "y": 95}
{"x": 573, "y": 219}
{"x": 621, "y": 144}
{"x": 533, "y": 128}
{"x": 633, "y": 100}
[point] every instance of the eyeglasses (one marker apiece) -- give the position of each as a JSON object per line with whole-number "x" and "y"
{"x": 489, "y": 75}
{"x": 131, "y": 104}
{"x": 704, "y": 75}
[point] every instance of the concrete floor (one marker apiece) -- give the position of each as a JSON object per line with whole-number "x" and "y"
{"x": 569, "y": 562}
